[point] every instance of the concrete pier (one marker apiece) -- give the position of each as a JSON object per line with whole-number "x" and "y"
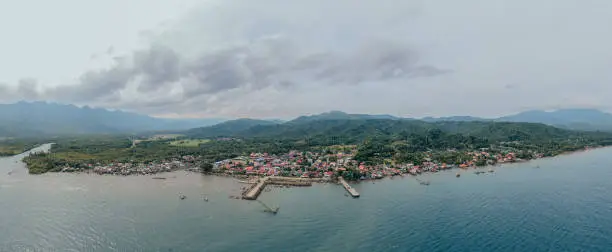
{"x": 348, "y": 188}
{"x": 255, "y": 190}
{"x": 289, "y": 181}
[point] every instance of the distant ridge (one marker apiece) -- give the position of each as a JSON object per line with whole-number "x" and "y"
{"x": 26, "y": 119}
{"x": 229, "y": 128}
{"x": 578, "y": 119}
{"x": 575, "y": 119}
{"x": 339, "y": 115}
{"x": 454, "y": 118}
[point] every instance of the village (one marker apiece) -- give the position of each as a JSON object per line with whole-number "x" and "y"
{"x": 324, "y": 165}
{"x": 128, "y": 168}
{"x": 328, "y": 166}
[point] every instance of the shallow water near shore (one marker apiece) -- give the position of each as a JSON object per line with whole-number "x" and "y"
{"x": 564, "y": 205}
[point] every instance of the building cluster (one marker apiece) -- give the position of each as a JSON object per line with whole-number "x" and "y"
{"x": 308, "y": 164}
{"x": 320, "y": 165}
{"x": 129, "y": 168}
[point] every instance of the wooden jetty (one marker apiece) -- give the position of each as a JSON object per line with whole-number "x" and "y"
{"x": 348, "y": 188}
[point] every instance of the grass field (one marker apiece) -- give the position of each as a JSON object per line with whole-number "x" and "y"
{"x": 189, "y": 142}
{"x": 10, "y": 150}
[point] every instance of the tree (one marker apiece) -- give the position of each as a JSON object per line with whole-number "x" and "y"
{"x": 206, "y": 167}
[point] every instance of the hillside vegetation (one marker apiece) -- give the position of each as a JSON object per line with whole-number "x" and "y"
{"x": 376, "y": 140}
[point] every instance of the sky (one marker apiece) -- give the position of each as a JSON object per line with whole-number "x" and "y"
{"x": 281, "y": 59}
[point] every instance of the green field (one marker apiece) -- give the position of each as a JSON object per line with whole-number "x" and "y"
{"x": 189, "y": 142}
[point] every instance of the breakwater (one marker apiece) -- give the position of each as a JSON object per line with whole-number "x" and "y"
{"x": 253, "y": 192}
{"x": 348, "y": 188}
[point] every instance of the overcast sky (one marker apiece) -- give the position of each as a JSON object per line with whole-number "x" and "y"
{"x": 279, "y": 58}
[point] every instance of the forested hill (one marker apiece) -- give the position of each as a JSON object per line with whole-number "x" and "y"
{"x": 357, "y": 130}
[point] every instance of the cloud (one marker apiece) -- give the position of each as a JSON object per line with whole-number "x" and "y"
{"x": 270, "y": 61}
{"x": 245, "y": 51}
{"x": 438, "y": 57}
{"x": 27, "y": 89}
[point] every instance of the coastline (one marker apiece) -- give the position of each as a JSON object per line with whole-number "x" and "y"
{"x": 314, "y": 180}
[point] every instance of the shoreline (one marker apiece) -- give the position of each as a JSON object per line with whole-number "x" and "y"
{"x": 331, "y": 179}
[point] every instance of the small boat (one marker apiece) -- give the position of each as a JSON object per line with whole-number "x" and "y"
{"x": 458, "y": 175}
{"x": 182, "y": 197}
{"x": 206, "y": 199}
{"x": 159, "y": 178}
{"x": 423, "y": 182}
{"x": 491, "y": 170}
{"x": 272, "y": 210}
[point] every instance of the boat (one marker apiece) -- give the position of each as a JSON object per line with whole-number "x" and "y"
{"x": 206, "y": 199}
{"x": 182, "y": 197}
{"x": 423, "y": 182}
{"x": 159, "y": 178}
{"x": 272, "y": 210}
{"x": 458, "y": 175}
{"x": 491, "y": 170}
{"x": 245, "y": 182}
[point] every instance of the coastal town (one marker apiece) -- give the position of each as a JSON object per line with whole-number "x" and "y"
{"x": 317, "y": 165}
{"x": 325, "y": 165}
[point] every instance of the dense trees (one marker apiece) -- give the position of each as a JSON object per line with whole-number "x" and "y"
{"x": 377, "y": 141}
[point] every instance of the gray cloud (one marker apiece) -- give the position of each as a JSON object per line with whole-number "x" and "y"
{"x": 159, "y": 66}
{"x": 271, "y": 61}
{"x": 27, "y": 89}
{"x": 237, "y": 58}
{"x": 230, "y": 57}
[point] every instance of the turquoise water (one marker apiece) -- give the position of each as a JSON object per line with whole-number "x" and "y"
{"x": 564, "y": 205}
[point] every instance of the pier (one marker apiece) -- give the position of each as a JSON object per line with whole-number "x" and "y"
{"x": 253, "y": 192}
{"x": 348, "y": 188}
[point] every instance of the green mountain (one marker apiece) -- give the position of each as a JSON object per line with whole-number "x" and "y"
{"x": 579, "y": 119}
{"x": 339, "y": 115}
{"x": 41, "y": 118}
{"x": 229, "y": 128}
{"x": 357, "y": 130}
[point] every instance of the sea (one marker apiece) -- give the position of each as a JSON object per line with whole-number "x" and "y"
{"x": 554, "y": 204}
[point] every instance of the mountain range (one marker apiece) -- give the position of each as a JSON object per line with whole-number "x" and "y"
{"x": 24, "y": 119}
{"x": 41, "y": 118}
{"x": 575, "y": 119}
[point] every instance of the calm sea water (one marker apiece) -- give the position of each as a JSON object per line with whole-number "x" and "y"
{"x": 565, "y": 205}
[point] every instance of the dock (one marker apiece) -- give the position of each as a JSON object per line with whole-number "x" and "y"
{"x": 348, "y": 188}
{"x": 253, "y": 192}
